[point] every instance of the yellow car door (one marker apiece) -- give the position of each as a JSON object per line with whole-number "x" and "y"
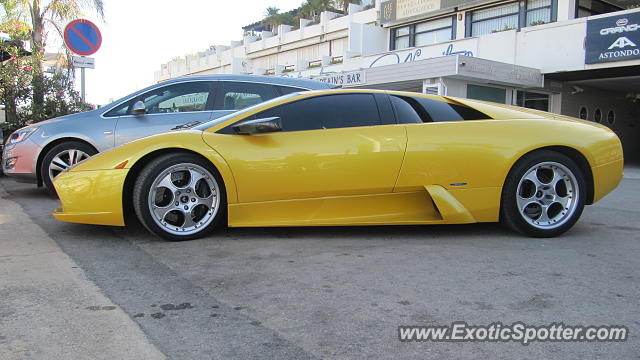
{"x": 330, "y": 146}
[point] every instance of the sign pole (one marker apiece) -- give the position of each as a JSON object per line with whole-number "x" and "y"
{"x": 82, "y": 84}
{"x": 82, "y": 37}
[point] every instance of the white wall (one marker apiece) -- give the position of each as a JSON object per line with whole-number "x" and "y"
{"x": 549, "y": 47}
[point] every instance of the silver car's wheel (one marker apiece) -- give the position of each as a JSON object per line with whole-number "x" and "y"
{"x": 547, "y": 195}
{"x": 61, "y": 157}
{"x": 64, "y": 160}
{"x": 544, "y": 194}
{"x": 184, "y": 199}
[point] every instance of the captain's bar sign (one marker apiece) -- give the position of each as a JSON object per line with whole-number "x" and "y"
{"x": 344, "y": 79}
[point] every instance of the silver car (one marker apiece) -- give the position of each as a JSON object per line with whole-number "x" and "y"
{"x": 37, "y": 153}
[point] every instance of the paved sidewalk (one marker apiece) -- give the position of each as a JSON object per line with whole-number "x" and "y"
{"x": 48, "y": 309}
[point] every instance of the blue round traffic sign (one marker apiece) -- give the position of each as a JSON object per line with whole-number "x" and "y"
{"x": 82, "y": 37}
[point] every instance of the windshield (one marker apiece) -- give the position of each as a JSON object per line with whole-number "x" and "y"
{"x": 209, "y": 124}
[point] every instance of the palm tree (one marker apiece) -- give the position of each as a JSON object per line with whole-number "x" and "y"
{"x": 344, "y": 4}
{"x": 312, "y": 8}
{"x": 271, "y": 16}
{"x": 54, "y": 13}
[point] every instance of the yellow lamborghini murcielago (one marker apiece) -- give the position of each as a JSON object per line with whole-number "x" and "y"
{"x": 352, "y": 157}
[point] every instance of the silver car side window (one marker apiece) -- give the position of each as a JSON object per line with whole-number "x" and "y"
{"x": 181, "y": 97}
{"x": 239, "y": 95}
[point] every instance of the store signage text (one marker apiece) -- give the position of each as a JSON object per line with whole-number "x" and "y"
{"x": 403, "y": 9}
{"x": 396, "y": 10}
{"x": 496, "y": 72}
{"x": 614, "y": 38}
{"x": 426, "y": 52}
{"x": 408, "y": 8}
{"x": 344, "y": 79}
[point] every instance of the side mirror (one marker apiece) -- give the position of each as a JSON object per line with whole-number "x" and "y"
{"x": 258, "y": 126}
{"x": 139, "y": 108}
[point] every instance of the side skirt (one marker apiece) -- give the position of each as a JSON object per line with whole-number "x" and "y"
{"x": 435, "y": 205}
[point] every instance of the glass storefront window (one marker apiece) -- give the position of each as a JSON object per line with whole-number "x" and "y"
{"x": 486, "y": 93}
{"x": 494, "y": 19}
{"x": 532, "y": 100}
{"x": 509, "y": 16}
{"x": 425, "y": 33}
{"x": 586, "y": 8}
{"x": 538, "y": 12}
{"x": 401, "y": 40}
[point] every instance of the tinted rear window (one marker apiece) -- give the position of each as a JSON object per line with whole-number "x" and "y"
{"x": 408, "y": 111}
{"x": 444, "y": 111}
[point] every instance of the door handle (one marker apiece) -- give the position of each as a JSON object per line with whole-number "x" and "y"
{"x": 108, "y": 132}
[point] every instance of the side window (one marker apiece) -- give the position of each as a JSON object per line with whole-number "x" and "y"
{"x": 444, "y": 111}
{"x": 239, "y": 95}
{"x": 120, "y": 110}
{"x": 408, "y": 111}
{"x": 284, "y": 90}
{"x": 181, "y": 97}
{"x": 326, "y": 112}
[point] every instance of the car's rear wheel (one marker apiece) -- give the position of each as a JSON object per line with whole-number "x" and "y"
{"x": 179, "y": 197}
{"x": 544, "y": 194}
{"x": 61, "y": 157}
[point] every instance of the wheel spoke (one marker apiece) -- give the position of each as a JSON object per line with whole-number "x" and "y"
{"x": 524, "y": 202}
{"x": 55, "y": 167}
{"x": 207, "y": 202}
{"x": 161, "y": 212}
{"x": 188, "y": 220}
{"x": 58, "y": 161}
{"x": 167, "y": 183}
{"x": 73, "y": 157}
{"x": 564, "y": 201}
{"x": 557, "y": 177}
{"x": 533, "y": 177}
{"x": 544, "y": 215}
{"x": 195, "y": 177}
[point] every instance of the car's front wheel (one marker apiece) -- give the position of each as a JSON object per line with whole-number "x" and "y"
{"x": 543, "y": 195}
{"x": 61, "y": 157}
{"x": 179, "y": 197}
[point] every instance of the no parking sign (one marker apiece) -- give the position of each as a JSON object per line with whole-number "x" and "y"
{"x": 82, "y": 37}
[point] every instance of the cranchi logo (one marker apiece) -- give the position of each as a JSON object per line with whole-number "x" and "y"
{"x": 622, "y": 25}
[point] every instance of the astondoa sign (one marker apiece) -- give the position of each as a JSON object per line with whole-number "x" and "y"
{"x": 613, "y": 38}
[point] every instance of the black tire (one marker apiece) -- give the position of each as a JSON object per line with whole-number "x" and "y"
{"x": 567, "y": 215}
{"x": 143, "y": 188}
{"x": 55, "y": 151}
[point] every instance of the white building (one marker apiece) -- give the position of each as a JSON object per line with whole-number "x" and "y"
{"x": 576, "y": 57}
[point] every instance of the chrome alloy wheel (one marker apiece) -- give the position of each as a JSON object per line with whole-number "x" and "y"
{"x": 184, "y": 199}
{"x": 547, "y": 195}
{"x": 64, "y": 160}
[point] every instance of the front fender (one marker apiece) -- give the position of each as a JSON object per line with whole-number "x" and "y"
{"x": 129, "y": 154}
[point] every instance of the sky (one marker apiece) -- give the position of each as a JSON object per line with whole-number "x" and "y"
{"x": 140, "y": 35}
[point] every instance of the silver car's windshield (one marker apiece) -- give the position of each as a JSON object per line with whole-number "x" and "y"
{"x": 209, "y": 124}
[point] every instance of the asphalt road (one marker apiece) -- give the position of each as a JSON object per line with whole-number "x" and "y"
{"x": 341, "y": 293}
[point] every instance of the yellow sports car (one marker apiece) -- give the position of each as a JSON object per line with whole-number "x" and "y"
{"x": 351, "y": 157}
